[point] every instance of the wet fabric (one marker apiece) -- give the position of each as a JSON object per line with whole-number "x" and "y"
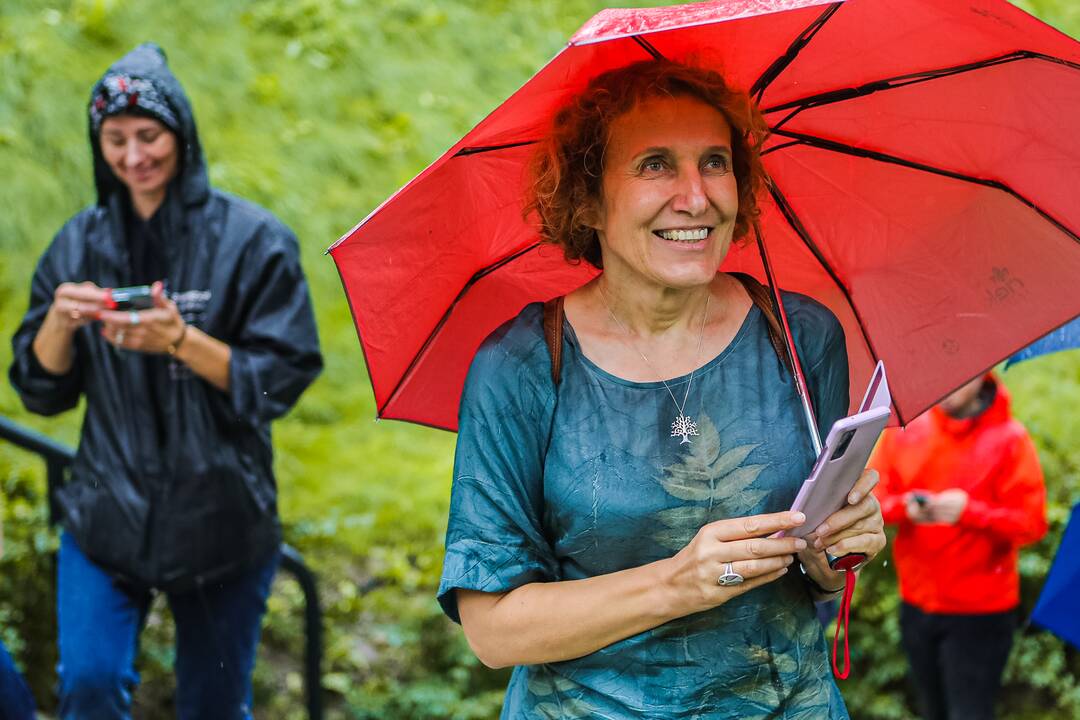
{"x": 585, "y": 480}
{"x": 969, "y": 567}
{"x": 201, "y": 503}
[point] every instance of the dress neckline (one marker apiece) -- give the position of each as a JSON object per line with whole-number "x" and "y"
{"x": 751, "y": 318}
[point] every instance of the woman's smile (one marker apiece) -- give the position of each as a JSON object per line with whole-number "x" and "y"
{"x": 687, "y": 238}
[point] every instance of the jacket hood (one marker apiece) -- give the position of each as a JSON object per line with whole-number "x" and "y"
{"x": 142, "y": 82}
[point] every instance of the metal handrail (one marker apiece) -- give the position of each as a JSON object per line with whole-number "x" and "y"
{"x": 58, "y": 457}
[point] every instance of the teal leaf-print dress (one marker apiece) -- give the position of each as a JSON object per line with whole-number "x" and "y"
{"x": 582, "y": 480}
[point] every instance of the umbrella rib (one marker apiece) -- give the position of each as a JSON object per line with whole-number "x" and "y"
{"x": 648, "y": 47}
{"x": 781, "y": 146}
{"x": 464, "y": 152}
{"x": 845, "y": 149}
{"x": 477, "y": 276}
{"x": 800, "y": 230}
{"x": 836, "y": 96}
{"x": 781, "y": 63}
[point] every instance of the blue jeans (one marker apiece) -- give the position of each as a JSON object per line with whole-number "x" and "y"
{"x": 16, "y": 702}
{"x": 217, "y": 633}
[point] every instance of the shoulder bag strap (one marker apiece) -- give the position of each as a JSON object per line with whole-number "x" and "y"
{"x": 761, "y": 297}
{"x": 553, "y": 332}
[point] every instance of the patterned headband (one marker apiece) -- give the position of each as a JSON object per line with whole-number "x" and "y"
{"x": 119, "y": 93}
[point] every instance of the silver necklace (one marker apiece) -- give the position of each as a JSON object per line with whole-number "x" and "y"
{"x": 683, "y": 425}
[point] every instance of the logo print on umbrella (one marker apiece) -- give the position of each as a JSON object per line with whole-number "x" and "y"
{"x": 1005, "y": 286}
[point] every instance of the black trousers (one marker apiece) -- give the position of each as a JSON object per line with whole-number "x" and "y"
{"x": 956, "y": 661}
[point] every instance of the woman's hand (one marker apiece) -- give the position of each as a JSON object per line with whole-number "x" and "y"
{"x": 948, "y": 505}
{"x": 73, "y": 305}
{"x": 148, "y": 331}
{"x": 856, "y": 528}
{"x": 917, "y": 507}
{"x": 692, "y": 575}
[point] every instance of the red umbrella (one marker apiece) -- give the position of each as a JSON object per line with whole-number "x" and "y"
{"x": 924, "y": 161}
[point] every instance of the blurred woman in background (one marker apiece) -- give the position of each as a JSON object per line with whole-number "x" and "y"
{"x": 172, "y": 488}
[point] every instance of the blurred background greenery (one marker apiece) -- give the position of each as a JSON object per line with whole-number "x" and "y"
{"x": 319, "y": 109}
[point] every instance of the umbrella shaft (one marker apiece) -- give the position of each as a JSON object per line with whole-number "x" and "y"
{"x": 800, "y": 378}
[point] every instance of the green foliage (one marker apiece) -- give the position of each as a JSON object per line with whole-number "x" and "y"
{"x": 319, "y": 109}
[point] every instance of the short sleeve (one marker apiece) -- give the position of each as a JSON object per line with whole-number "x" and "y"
{"x": 495, "y": 540}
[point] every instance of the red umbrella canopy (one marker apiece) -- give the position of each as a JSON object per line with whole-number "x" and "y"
{"x": 924, "y": 161}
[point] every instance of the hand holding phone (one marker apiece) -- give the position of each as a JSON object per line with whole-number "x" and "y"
{"x": 839, "y": 467}
{"x": 919, "y": 506}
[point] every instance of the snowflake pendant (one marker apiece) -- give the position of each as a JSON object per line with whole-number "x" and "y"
{"x": 685, "y": 427}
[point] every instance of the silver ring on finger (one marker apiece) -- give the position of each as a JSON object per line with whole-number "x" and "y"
{"x": 133, "y": 318}
{"x": 119, "y": 337}
{"x": 730, "y": 577}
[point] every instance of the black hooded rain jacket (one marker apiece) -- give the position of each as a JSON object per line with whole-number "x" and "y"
{"x": 180, "y": 491}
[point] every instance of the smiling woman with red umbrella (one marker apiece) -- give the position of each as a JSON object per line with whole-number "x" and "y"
{"x": 616, "y": 481}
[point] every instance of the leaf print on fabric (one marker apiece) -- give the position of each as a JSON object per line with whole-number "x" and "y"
{"x": 779, "y": 664}
{"x": 549, "y": 684}
{"x": 718, "y": 482}
{"x": 545, "y": 684}
{"x": 679, "y": 525}
{"x": 733, "y": 458}
{"x": 564, "y": 710}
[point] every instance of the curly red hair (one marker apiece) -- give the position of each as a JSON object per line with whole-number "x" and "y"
{"x": 568, "y": 166}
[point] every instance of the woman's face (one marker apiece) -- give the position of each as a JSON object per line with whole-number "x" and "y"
{"x": 670, "y": 197}
{"x": 141, "y": 151}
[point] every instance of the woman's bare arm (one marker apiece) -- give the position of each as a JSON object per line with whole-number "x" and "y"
{"x": 549, "y": 622}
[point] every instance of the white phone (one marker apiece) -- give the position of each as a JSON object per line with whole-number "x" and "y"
{"x": 843, "y": 458}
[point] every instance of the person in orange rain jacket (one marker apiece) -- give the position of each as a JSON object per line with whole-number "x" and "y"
{"x": 963, "y": 484}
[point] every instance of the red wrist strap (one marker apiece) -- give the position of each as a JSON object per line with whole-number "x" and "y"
{"x": 847, "y": 563}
